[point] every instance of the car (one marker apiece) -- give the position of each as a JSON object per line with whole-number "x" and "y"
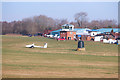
{"x": 50, "y": 36}
{"x": 61, "y": 39}
{"x": 38, "y": 34}
{"x": 30, "y": 35}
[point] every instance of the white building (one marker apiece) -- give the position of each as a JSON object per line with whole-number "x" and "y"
{"x": 67, "y": 27}
{"x": 93, "y": 33}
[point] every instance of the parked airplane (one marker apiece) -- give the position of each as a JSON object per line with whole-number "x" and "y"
{"x": 33, "y": 45}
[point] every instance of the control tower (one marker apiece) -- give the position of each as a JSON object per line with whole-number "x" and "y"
{"x": 67, "y": 27}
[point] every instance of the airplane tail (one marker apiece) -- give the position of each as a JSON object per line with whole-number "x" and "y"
{"x": 45, "y": 45}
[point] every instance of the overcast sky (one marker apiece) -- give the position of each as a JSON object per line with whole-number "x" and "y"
{"x": 96, "y": 10}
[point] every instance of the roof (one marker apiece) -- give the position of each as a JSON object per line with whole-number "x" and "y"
{"x": 57, "y": 30}
{"x": 83, "y": 30}
{"x": 68, "y": 25}
{"x": 93, "y": 30}
{"x": 76, "y": 29}
{"x": 67, "y": 31}
{"x": 102, "y": 30}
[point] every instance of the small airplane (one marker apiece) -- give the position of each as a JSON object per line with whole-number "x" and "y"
{"x": 33, "y": 46}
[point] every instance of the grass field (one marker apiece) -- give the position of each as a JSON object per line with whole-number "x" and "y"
{"x": 59, "y": 60}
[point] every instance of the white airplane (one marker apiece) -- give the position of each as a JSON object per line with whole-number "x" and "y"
{"x": 33, "y": 45}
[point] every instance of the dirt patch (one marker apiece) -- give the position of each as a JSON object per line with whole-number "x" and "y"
{"x": 60, "y": 74}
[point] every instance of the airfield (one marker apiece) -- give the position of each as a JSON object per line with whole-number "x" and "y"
{"x": 59, "y": 60}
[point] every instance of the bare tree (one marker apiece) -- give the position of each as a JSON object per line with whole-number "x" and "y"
{"x": 59, "y": 22}
{"x": 33, "y": 25}
{"x": 63, "y": 21}
{"x": 102, "y": 23}
{"x": 80, "y": 18}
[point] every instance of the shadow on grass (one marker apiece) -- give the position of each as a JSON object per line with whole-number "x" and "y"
{"x": 73, "y": 49}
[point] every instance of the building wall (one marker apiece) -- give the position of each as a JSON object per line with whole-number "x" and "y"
{"x": 71, "y": 34}
{"x": 89, "y": 38}
{"x": 68, "y": 35}
{"x": 63, "y": 34}
{"x": 84, "y": 37}
{"x": 93, "y": 33}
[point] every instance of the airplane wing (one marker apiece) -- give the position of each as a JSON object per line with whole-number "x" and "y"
{"x": 37, "y": 46}
{"x": 32, "y": 46}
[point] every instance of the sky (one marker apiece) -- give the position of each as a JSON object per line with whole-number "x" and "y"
{"x": 59, "y": 10}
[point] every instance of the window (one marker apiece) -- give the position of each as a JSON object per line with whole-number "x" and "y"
{"x": 74, "y": 36}
{"x": 70, "y": 28}
{"x": 69, "y": 38}
{"x": 66, "y": 27}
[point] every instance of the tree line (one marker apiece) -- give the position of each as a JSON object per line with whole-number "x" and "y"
{"x": 41, "y": 23}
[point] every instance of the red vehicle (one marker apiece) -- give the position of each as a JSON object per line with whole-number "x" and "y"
{"x": 60, "y": 39}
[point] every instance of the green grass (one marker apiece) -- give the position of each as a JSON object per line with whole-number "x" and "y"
{"x": 59, "y": 60}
